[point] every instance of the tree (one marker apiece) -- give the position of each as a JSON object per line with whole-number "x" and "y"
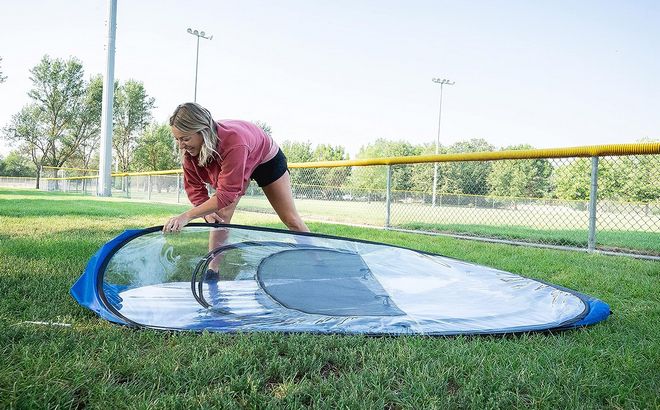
{"x": 327, "y": 152}
{"x": 642, "y": 177}
{"x": 25, "y": 130}
{"x": 573, "y": 180}
{"x": 87, "y": 156}
{"x": 315, "y": 179}
{"x": 132, "y": 113}
{"x": 155, "y": 150}
{"x": 265, "y": 127}
{"x": 422, "y": 174}
{"x": 297, "y": 151}
{"x": 60, "y": 118}
{"x": 467, "y": 177}
{"x": 526, "y": 178}
{"x": 328, "y": 179}
{"x": 3, "y": 78}
{"x": 16, "y": 164}
{"x": 375, "y": 178}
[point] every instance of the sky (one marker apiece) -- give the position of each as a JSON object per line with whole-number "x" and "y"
{"x": 347, "y": 72}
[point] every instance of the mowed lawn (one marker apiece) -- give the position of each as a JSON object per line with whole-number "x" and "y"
{"x": 46, "y": 240}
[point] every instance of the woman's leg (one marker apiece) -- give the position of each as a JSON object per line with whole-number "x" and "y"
{"x": 218, "y": 236}
{"x": 280, "y": 197}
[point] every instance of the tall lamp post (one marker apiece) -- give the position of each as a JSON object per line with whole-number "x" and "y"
{"x": 198, "y": 34}
{"x": 442, "y": 83}
{"x": 104, "y": 187}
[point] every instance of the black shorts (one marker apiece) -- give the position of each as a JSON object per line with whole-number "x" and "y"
{"x": 270, "y": 171}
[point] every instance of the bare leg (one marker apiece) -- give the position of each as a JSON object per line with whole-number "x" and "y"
{"x": 280, "y": 197}
{"x": 218, "y": 236}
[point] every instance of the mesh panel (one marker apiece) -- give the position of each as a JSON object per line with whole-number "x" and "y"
{"x": 325, "y": 282}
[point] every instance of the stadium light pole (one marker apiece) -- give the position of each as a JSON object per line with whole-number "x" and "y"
{"x": 442, "y": 83}
{"x": 198, "y": 34}
{"x": 104, "y": 187}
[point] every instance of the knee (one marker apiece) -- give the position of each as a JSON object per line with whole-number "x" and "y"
{"x": 295, "y": 223}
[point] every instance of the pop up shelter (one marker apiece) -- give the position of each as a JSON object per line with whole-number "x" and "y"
{"x": 274, "y": 280}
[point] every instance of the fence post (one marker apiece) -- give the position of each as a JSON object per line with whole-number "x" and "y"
{"x": 149, "y": 187}
{"x": 593, "y": 200}
{"x": 388, "y": 196}
{"x": 178, "y": 188}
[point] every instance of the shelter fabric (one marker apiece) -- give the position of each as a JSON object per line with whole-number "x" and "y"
{"x": 272, "y": 280}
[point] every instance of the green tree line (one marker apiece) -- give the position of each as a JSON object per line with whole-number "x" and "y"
{"x": 60, "y": 126}
{"x": 629, "y": 178}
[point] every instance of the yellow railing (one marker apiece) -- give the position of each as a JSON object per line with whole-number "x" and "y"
{"x": 585, "y": 151}
{"x": 120, "y": 174}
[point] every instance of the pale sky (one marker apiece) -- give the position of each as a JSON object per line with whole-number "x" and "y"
{"x": 346, "y": 72}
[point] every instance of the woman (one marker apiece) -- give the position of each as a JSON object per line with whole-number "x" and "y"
{"x": 227, "y": 154}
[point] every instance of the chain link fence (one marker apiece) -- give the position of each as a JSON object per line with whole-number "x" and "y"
{"x": 18, "y": 182}
{"x": 608, "y": 203}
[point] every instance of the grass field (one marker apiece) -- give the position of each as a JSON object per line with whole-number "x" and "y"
{"x": 46, "y": 240}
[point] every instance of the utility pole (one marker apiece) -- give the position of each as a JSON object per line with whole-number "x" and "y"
{"x": 199, "y": 34}
{"x": 442, "y": 83}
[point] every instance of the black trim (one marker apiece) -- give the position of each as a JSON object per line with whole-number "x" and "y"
{"x": 217, "y": 251}
{"x": 584, "y": 298}
{"x": 201, "y": 265}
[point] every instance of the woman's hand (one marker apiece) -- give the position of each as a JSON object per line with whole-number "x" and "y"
{"x": 176, "y": 223}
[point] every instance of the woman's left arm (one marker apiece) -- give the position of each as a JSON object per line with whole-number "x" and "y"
{"x": 177, "y": 222}
{"x": 232, "y": 181}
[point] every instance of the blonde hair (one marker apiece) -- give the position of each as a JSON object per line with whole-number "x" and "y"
{"x": 192, "y": 118}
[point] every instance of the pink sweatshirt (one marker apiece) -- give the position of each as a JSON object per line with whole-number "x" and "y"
{"x": 242, "y": 146}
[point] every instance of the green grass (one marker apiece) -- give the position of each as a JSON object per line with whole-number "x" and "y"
{"x": 46, "y": 240}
